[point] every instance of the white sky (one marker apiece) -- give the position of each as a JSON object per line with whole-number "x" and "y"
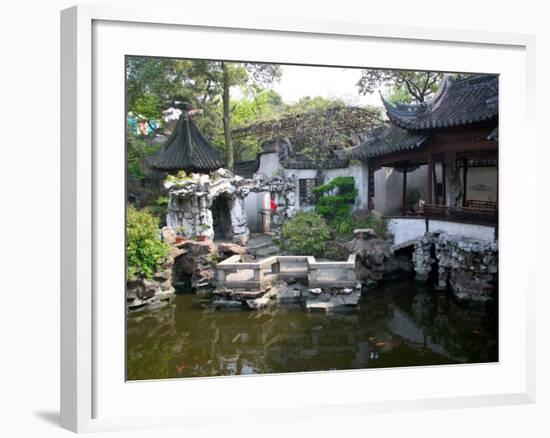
{"x": 331, "y": 82}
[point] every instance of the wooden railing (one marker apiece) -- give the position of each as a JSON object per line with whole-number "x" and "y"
{"x": 232, "y": 271}
{"x": 480, "y": 212}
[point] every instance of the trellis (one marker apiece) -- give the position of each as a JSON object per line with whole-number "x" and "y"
{"x": 335, "y": 125}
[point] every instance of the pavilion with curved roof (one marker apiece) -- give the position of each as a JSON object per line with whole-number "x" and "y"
{"x": 455, "y": 135}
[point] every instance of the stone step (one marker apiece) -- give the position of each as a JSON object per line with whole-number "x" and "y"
{"x": 267, "y": 251}
{"x": 258, "y": 246}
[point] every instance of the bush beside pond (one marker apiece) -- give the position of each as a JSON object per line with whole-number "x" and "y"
{"x": 144, "y": 250}
{"x": 306, "y": 233}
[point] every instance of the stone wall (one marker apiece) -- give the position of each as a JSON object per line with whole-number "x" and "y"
{"x": 195, "y": 262}
{"x": 142, "y": 291}
{"x": 468, "y": 266}
{"x": 376, "y": 259}
{"x": 191, "y": 198}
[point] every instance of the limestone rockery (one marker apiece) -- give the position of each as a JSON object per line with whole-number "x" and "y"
{"x": 193, "y": 198}
{"x": 468, "y": 266}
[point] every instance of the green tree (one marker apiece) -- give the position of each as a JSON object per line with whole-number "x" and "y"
{"x": 312, "y": 104}
{"x": 148, "y": 106}
{"x": 417, "y": 84}
{"x": 242, "y": 74}
{"x": 256, "y": 105}
{"x": 202, "y": 84}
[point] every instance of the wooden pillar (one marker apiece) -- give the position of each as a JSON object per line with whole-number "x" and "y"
{"x": 443, "y": 181}
{"x": 497, "y": 183}
{"x": 371, "y": 188}
{"x": 429, "y": 188}
{"x": 465, "y": 180}
{"x": 434, "y": 179}
{"x": 404, "y": 204}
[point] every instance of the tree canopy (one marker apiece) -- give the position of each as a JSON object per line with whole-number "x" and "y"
{"x": 154, "y": 83}
{"x": 404, "y": 85}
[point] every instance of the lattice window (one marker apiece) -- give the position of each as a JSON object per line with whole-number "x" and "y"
{"x": 305, "y": 187}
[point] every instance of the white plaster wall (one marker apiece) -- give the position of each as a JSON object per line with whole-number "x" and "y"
{"x": 269, "y": 165}
{"x": 404, "y": 229}
{"x": 387, "y": 191}
{"x": 359, "y": 172}
{"x": 253, "y": 203}
{"x": 482, "y": 184}
{"x": 416, "y": 180}
{"x": 300, "y": 174}
{"x": 481, "y": 232}
{"x": 388, "y": 188}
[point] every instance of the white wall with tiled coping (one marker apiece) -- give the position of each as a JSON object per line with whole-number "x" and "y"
{"x": 408, "y": 228}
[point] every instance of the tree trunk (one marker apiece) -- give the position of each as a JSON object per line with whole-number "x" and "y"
{"x": 227, "y": 119}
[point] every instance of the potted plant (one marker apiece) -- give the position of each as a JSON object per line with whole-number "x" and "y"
{"x": 200, "y": 236}
{"x": 180, "y": 235}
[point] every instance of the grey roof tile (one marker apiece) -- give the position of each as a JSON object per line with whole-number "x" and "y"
{"x": 187, "y": 149}
{"x": 457, "y": 102}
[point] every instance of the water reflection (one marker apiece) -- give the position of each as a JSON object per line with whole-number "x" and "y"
{"x": 397, "y": 325}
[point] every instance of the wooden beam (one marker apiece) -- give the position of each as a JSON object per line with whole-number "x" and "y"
{"x": 404, "y": 205}
{"x": 371, "y": 187}
{"x": 444, "y": 180}
{"x": 434, "y": 177}
{"x": 429, "y": 188}
{"x": 465, "y": 180}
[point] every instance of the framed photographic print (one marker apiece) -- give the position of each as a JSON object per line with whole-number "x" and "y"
{"x": 252, "y": 210}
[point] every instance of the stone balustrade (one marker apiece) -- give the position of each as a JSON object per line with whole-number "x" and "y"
{"x": 236, "y": 273}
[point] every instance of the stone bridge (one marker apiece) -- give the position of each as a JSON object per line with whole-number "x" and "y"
{"x": 236, "y": 273}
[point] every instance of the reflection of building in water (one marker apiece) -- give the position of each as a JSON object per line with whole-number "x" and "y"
{"x": 439, "y": 324}
{"x": 396, "y": 327}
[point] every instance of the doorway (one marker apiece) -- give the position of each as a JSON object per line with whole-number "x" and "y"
{"x": 221, "y": 217}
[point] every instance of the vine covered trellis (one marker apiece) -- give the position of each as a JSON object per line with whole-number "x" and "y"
{"x": 318, "y": 133}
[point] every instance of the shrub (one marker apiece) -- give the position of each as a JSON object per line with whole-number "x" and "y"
{"x": 335, "y": 251}
{"x": 365, "y": 219}
{"x": 335, "y": 201}
{"x": 306, "y": 233}
{"x": 335, "y": 198}
{"x": 162, "y": 201}
{"x": 144, "y": 250}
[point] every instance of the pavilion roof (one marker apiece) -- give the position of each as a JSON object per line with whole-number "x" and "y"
{"x": 386, "y": 141}
{"x": 457, "y": 102}
{"x": 187, "y": 149}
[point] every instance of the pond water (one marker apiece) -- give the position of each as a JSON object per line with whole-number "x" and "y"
{"x": 398, "y": 324}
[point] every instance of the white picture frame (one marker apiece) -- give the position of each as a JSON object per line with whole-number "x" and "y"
{"x": 86, "y": 404}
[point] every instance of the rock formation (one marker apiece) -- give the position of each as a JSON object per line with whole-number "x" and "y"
{"x": 191, "y": 199}
{"x": 142, "y": 291}
{"x": 468, "y": 266}
{"x": 376, "y": 258}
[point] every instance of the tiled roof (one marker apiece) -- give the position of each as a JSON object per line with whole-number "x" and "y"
{"x": 457, "y": 102}
{"x": 246, "y": 169}
{"x": 386, "y": 141}
{"x": 493, "y": 135}
{"x": 331, "y": 163}
{"x": 187, "y": 149}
